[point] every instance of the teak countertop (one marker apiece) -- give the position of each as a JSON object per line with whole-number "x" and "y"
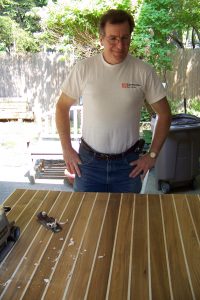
{"x": 112, "y": 246}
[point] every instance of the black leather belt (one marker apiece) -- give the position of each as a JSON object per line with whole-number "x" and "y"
{"x": 137, "y": 148}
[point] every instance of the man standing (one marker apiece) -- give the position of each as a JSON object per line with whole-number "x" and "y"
{"x": 113, "y": 86}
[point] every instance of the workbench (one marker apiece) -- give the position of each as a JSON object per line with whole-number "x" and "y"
{"x": 112, "y": 246}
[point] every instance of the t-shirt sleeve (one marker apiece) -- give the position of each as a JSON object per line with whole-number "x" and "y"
{"x": 73, "y": 83}
{"x": 154, "y": 89}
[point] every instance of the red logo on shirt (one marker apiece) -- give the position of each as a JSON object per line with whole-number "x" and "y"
{"x": 126, "y": 85}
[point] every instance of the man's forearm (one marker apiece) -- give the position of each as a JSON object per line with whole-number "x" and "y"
{"x": 63, "y": 127}
{"x": 70, "y": 156}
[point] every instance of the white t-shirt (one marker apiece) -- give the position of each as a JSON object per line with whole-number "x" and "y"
{"x": 112, "y": 98}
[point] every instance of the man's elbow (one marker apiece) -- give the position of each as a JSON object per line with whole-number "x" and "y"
{"x": 62, "y": 105}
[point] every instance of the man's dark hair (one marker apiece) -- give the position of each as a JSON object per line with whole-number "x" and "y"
{"x": 116, "y": 16}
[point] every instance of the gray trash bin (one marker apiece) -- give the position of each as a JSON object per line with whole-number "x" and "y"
{"x": 178, "y": 160}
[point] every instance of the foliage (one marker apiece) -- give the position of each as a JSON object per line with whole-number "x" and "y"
{"x": 145, "y": 116}
{"x": 74, "y": 25}
{"x": 192, "y": 106}
{"x": 163, "y": 25}
{"x": 6, "y": 33}
{"x": 14, "y": 37}
{"x": 70, "y": 26}
{"x": 18, "y": 23}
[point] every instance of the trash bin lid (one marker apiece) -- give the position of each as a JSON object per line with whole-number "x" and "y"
{"x": 185, "y": 121}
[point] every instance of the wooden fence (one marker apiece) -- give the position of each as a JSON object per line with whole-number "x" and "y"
{"x": 38, "y": 77}
{"x": 183, "y": 81}
{"x": 35, "y": 77}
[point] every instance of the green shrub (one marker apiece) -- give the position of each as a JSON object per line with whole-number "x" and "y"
{"x": 145, "y": 116}
{"x": 192, "y": 106}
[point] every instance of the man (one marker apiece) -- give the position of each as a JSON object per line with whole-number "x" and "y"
{"x": 113, "y": 86}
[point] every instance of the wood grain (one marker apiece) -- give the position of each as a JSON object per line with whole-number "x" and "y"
{"x": 178, "y": 272}
{"x": 139, "y": 288}
{"x": 158, "y": 263}
{"x": 112, "y": 246}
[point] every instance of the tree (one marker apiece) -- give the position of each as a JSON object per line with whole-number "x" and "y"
{"x": 6, "y": 33}
{"x": 70, "y": 26}
{"x": 73, "y": 25}
{"x": 18, "y": 23}
{"x": 164, "y": 25}
{"x": 14, "y": 37}
{"x": 161, "y": 27}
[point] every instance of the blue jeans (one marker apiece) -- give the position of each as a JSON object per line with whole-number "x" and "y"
{"x": 98, "y": 175}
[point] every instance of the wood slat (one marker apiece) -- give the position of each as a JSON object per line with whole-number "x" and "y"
{"x": 194, "y": 204}
{"x": 112, "y": 246}
{"x": 70, "y": 249}
{"x": 190, "y": 243}
{"x": 139, "y": 288}
{"x": 160, "y": 287}
{"x": 14, "y": 197}
{"x": 13, "y": 99}
{"x": 34, "y": 254}
{"x": 84, "y": 259}
{"x": 103, "y": 258}
{"x": 50, "y": 262}
{"x": 178, "y": 272}
{"x": 118, "y": 285}
{"x": 28, "y": 233}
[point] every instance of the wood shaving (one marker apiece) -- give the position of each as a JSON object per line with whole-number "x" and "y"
{"x": 46, "y": 280}
{"x": 71, "y": 242}
{"x": 101, "y": 256}
{"x": 63, "y": 223}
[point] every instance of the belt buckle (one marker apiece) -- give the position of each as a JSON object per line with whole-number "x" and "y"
{"x": 105, "y": 156}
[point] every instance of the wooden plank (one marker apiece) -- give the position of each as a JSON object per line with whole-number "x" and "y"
{"x": 12, "y": 99}
{"x": 15, "y": 108}
{"x": 29, "y": 228}
{"x": 190, "y": 244}
{"x": 84, "y": 261}
{"x": 27, "y": 267}
{"x": 139, "y": 276}
{"x": 194, "y": 204}
{"x": 16, "y": 115}
{"x": 97, "y": 286}
{"x": 71, "y": 248}
{"x": 49, "y": 260}
{"x": 13, "y": 105}
{"x": 160, "y": 287}
{"x": 178, "y": 271}
{"x": 14, "y": 197}
{"x": 29, "y": 206}
{"x": 20, "y": 205}
{"x": 112, "y": 246}
{"x": 118, "y": 285}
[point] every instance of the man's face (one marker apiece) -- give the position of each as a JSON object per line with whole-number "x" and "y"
{"x": 116, "y": 42}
